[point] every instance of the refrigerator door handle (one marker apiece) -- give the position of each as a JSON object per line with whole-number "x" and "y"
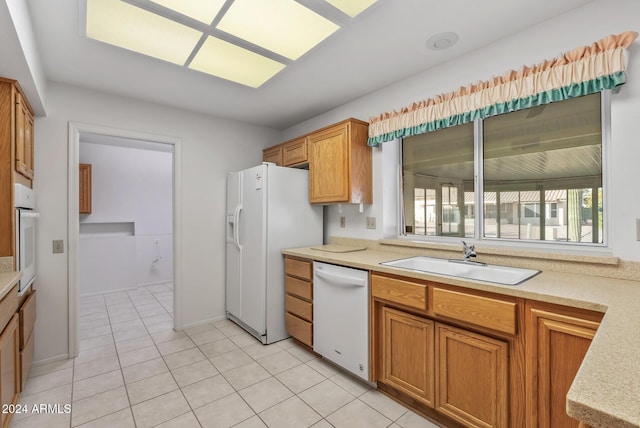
{"x": 236, "y": 229}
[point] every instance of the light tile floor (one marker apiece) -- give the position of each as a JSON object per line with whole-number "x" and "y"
{"x": 133, "y": 370}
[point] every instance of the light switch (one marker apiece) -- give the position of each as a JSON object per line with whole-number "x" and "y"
{"x": 58, "y": 246}
{"x": 371, "y": 223}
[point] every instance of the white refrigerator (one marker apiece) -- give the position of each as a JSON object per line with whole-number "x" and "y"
{"x": 268, "y": 209}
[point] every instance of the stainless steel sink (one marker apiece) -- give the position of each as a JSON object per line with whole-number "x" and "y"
{"x": 468, "y": 270}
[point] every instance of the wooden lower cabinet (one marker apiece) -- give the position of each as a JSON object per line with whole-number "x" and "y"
{"x": 299, "y": 299}
{"x": 27, "y": 320}
{"x": 472, "y": 377}
{"x": 408, "y": 354}
{"x": 473, "y": 359}
{"x": 16, "y": 347}
{"x": 558, "y": 340}
{"x": 9, "y": 367}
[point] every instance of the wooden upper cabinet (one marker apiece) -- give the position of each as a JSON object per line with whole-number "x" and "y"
{"x": 16, "y": 156}
{"x": 340, "y": 164}
{"x": 85, "y": 188}
{"x": 558, "y": 340}
{"x": 24, "y": 137}
{"x": 295, "y": 152}
{"x": 339, "y": 161}
{"x": 273, "y": 154}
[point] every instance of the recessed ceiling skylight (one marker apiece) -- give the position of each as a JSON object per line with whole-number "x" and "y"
{"x": 203, "y": 11}
{"x": 282, "y": 26}
{"x": 252, "y": 40}
{"x": 129, "y": 27}
{"x": 352, "y": 7}
{"x": 234, "y": 63}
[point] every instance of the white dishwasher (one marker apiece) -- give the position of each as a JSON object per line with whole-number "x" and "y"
{"x": 341, "y": 316}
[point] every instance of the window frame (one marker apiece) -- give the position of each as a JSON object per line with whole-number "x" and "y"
{"x": 479, "y": 231}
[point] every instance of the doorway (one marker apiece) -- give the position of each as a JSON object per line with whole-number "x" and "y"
{"x": 145, "y": 252}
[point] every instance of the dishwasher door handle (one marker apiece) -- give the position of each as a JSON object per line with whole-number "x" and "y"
{"x": 341, "y": 280}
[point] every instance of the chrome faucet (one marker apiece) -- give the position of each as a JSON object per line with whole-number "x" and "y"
{"x": 469, "y": 251}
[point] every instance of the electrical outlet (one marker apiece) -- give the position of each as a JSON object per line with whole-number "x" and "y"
{"x": 343, "y": 221}
{"x": 58, "y": 246}
{"x": 371, "y": 223}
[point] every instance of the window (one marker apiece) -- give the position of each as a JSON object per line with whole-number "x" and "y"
{"x": 532, "y": 210}
{"x": 438, "y": 182}
{"x": 541, "y": 171}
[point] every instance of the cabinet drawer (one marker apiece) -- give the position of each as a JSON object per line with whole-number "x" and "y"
{"x": 299, "y": 268}
{"x": 300, "y": 329}
{"x": 8, "y": 307}
{"x": 483, "y": 311}
{"x": 27, "y": 318}
{"x": 396, "y": 290}
{"x": 300, "y": 308}
{"x": 294, "y": 152}
{"x": 26, "y": 357}
{"x": 298, "y": 287}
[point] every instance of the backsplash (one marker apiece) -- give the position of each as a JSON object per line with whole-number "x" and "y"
{"x": 602, "y": 266}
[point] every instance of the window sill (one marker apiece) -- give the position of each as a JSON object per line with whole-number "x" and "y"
{"x": 570, "y": 256}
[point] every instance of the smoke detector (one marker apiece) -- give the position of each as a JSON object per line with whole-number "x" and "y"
{"x": 442, "y": 41}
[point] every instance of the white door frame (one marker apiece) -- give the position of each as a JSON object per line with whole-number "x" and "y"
{"x": 75, "y": 128}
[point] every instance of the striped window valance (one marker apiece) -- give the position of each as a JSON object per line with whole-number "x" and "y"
{"x": 582, "y": 71}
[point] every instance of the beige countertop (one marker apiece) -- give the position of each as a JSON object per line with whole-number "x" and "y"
{"x": 606, "y": 390}
{"x": 7, "y": 281}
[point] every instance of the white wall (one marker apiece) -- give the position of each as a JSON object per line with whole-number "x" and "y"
{"x": 577, "y": 28}
{"x": 210, "y": 148}
{"x": 213, "y": 146}
{"x": 19, "y": 52}
{"x": 134, "y": 186}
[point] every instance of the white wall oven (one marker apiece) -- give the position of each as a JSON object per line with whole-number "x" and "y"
{"x": 26, "y": 219}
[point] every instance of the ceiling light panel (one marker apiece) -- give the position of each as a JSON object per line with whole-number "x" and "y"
{"x": 203, "y": 11}
{"x": 231, "y": 62}
{"x": 352, "y": 7}
{"x": 129, "y": 27}
{"x": 281, "y": 26}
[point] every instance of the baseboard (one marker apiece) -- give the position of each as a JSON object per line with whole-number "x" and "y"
{"x": 100, "y": 293}
{"x": 207, "y": 321}
{"x": 148, "y": 284}
{"x": 50, "y": 360}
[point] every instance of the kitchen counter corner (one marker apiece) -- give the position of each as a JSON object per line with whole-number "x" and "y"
{"x": 606, "y": 389}
{"x": 7, "y": 281}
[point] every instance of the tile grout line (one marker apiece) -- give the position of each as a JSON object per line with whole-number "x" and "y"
{"x": 119, "y": 367}
{"x": 157, "y": 349}
{"x": 119, "y": 363}
{"x": 224, "y": 375}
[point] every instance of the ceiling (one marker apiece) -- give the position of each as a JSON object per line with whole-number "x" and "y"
{"x": 383, "y": 45}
